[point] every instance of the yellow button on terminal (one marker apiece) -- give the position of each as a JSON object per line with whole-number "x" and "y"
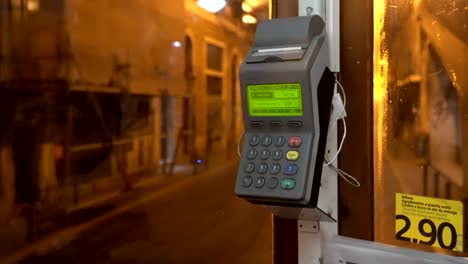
{"x": 292, "y": 155}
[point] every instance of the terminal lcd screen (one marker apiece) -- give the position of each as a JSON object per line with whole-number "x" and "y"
{"x": 283, "y": 99}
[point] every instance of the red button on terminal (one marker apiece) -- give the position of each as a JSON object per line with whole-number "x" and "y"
{"x": 295, "y": 141}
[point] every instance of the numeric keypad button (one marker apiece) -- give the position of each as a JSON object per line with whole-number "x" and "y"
{"x": 277, "y": 154}
{"x": 247, "y": 181}
{"x": 265, "y": 154}
{"x": 252, "y": 154}
{"x": 275, "y": 169}
{"x": 259, "y": 182}
{"x": 250, "y": 167}
{"x": 254, "y": 140}
{"x": 272, "y": 183}
{"x": 266, "y": 141}
{"x": 280, "y": 141}
{"x": 262, "y": 168}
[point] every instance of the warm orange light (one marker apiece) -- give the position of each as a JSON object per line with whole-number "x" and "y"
{"x": 212, "y": 6}
{"x": 249, "y": 19}
{"x": 255, "y": 3}
{"x": 33, "y": 5}
{"x": 380, "y": 52}
{"x": 270, "y": 9}
{"x": 380, "y": 106}
{"x": 246, "y": 7}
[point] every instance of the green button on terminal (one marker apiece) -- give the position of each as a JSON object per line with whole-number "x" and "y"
{"x": 288, "y": 184}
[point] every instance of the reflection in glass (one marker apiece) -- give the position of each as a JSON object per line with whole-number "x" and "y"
{"x": 419, "y": 56}
{"x": 115, "y": 122}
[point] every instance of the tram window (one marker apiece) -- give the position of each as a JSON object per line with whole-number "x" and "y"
{"x": 420, "y": 133}
{"x": 105, "y": 104}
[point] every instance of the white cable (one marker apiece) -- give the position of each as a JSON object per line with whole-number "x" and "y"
{"x": 342, "y": 92}
{"x": 346, "y": 176}
{"x": 336, "y": 121}
{"x": 238, "y": 143}
{"x": 341, "y": 145}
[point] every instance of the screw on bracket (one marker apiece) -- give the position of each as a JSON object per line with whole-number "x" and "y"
{"x": 309, "y": 226}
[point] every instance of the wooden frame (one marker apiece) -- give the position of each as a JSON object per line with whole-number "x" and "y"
{"x": 356, "y": 204}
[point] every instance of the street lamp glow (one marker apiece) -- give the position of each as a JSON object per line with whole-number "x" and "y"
{"x": 212, "y": 6}
{"x": 249, "y": 19}
{"x": 32, "y": 5}
{"x": 246, "y": 7}
{"x": 177, "y": 44}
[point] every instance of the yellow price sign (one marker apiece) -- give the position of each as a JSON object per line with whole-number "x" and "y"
{"x": 429, "y": 221}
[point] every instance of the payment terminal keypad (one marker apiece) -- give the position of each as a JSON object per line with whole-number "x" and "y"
{"x": 266, "y": 141}
{"x": 252, "y": 154}
{"x": 265, "y": 154}
{"x": 274, "y": 166}
{"x": 275, "y": 169}
{"x": 280, "y": 141}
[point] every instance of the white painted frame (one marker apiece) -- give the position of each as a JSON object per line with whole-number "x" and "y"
{"x": 329, "y": 10}
{"x": 312, "y": 234}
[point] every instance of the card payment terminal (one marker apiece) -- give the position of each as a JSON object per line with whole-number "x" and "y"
{"x": 287, "y": 91}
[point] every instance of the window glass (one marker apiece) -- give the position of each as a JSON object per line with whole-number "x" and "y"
{"x": 420, "y": 53}
{"x": 113, "y": 138}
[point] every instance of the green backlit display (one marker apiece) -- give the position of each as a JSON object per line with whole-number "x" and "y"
{"x": 275, "y": 99}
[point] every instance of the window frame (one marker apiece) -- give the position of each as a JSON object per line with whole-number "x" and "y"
{"x": 208, "y": 72}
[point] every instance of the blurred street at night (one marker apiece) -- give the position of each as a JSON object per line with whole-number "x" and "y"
{"x": 120, "y": 121}
{"x": 180, "y": 223}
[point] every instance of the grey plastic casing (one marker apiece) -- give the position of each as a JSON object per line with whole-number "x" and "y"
{"x": 306, "y": 67}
